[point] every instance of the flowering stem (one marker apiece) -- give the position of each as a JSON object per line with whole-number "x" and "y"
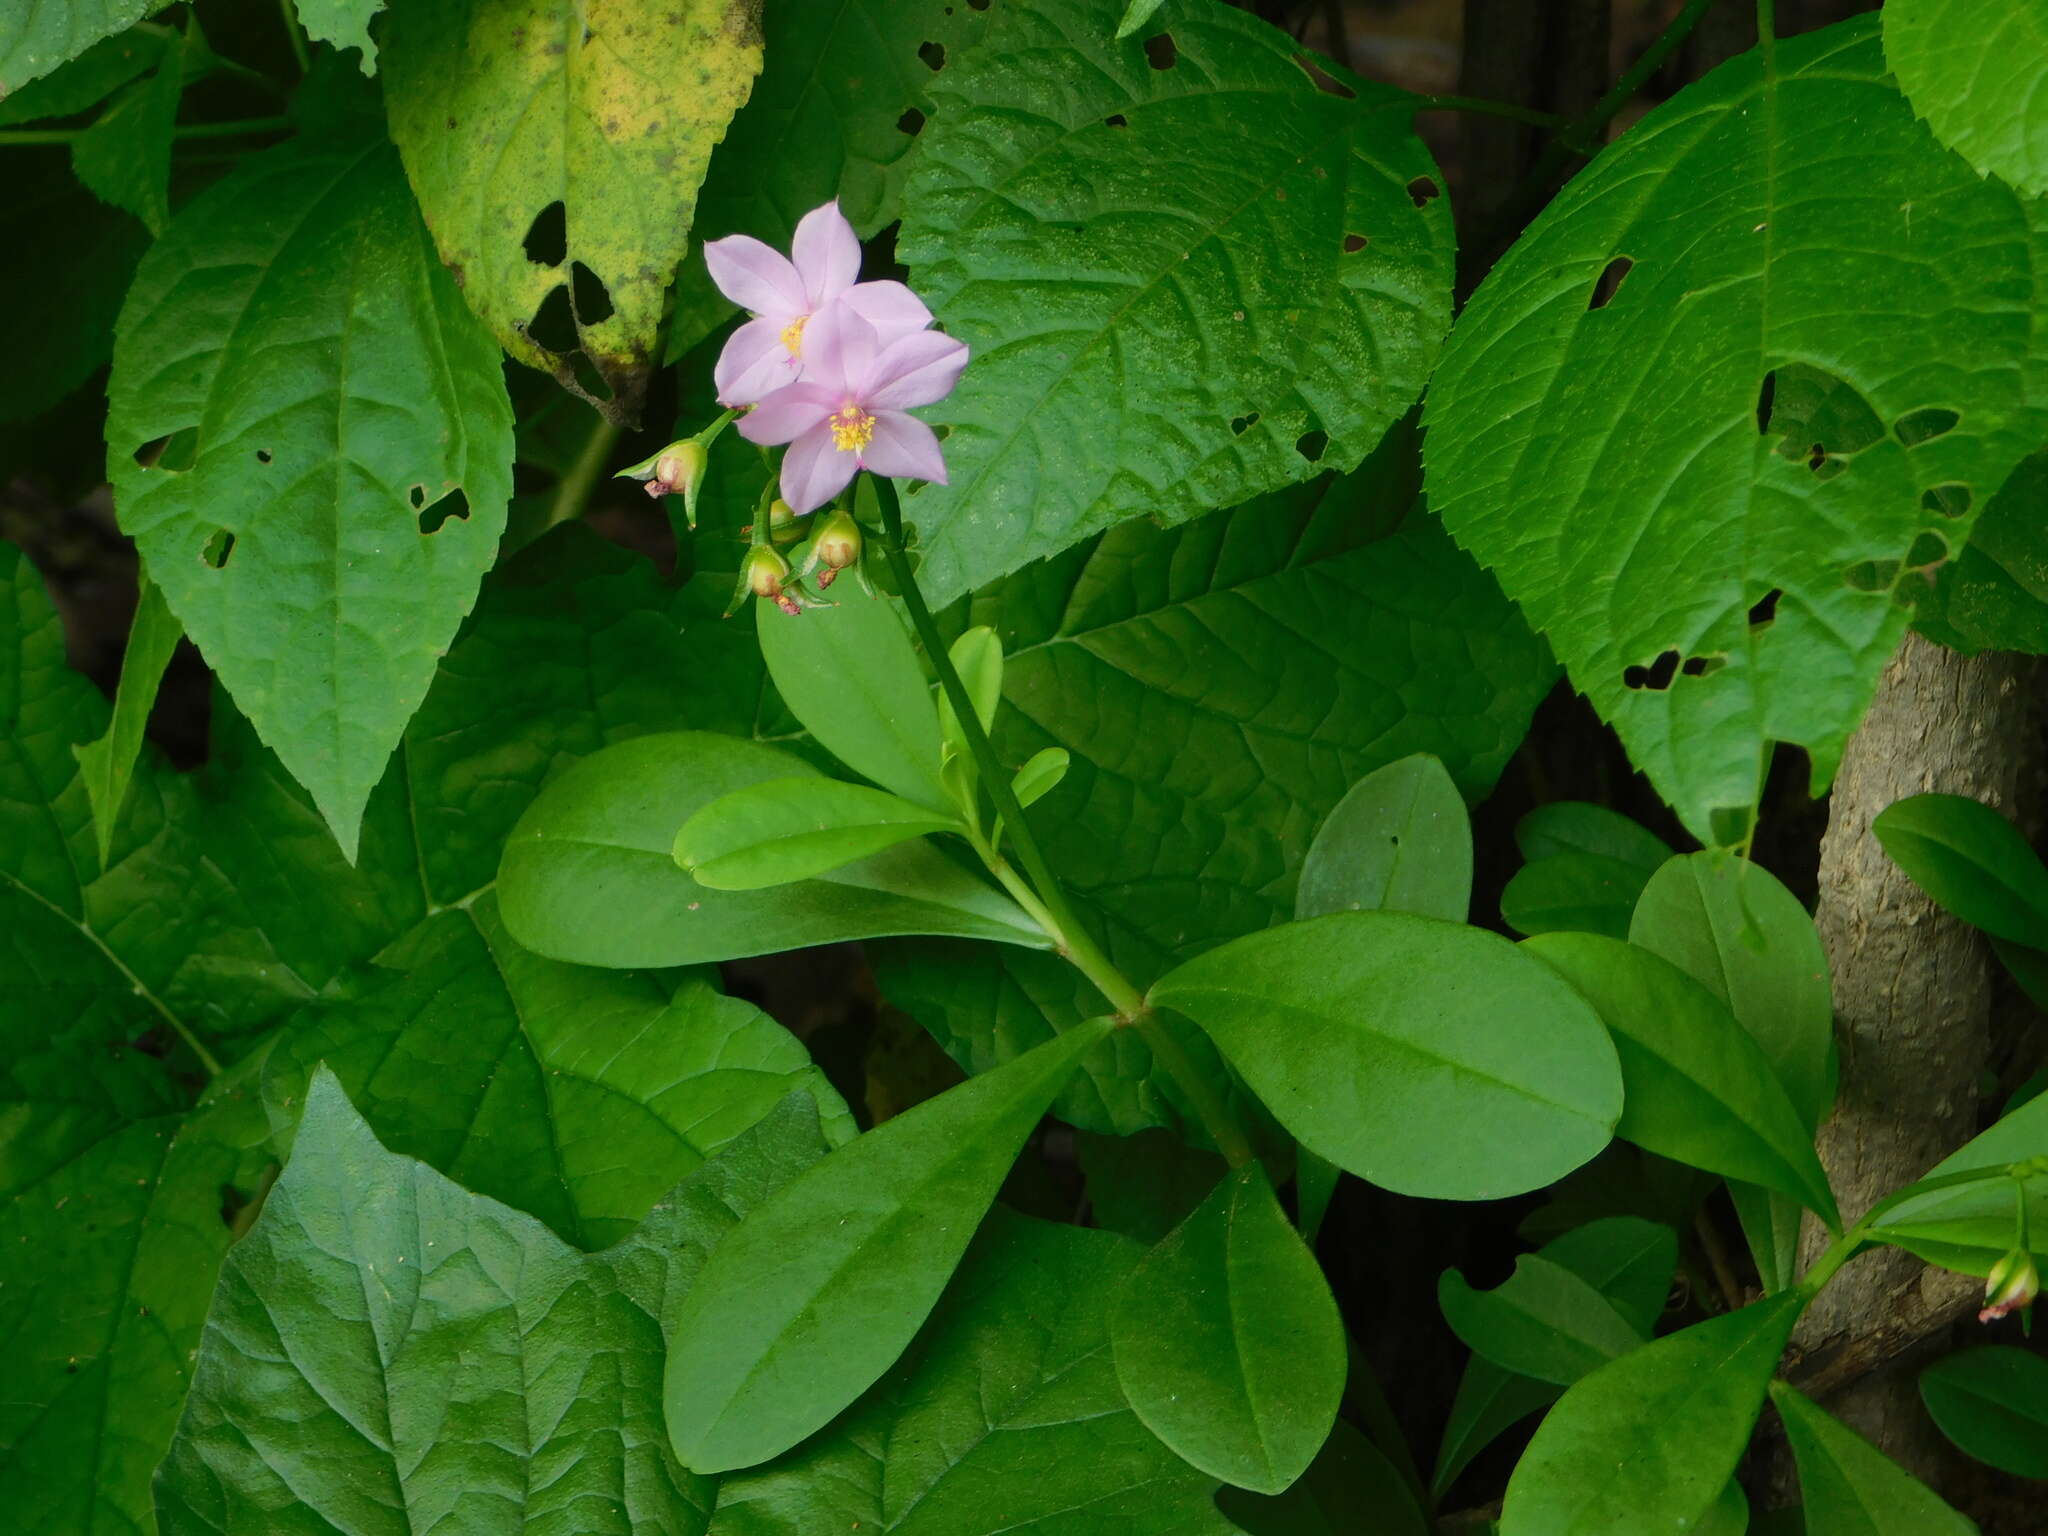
{"x": 1042, "y": 897}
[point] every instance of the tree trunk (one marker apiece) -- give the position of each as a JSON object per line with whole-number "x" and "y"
{"x": 1913, "y": 993}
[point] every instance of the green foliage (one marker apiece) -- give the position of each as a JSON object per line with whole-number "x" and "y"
{"x": 35, "y": 39}
{"x": 344, "y": 23}
{"x": 1849, "y": 1487}
{"x": 1358, "y": 1027}
{"x": 1960, "y": 1214}
{"x": 1784, "y": 452}
{"x": 1993, "y": 596}
{"x": 108, "y": 764}
{"x": 1350, "y": 1482}
{"x": 1587, "y": 866}
{"x": 125, "y": 157}
{"x": 790, "y": 829}
{"x": 1543, "y": 1321}
{"x": 1227, "y": 335}
{"x": 1399, "y": 840}
{"x": 1228, "y": 1344}
{"x": 1993, "y": 1403}
{"x": 1969, "y": 72}
{"x": 1971, "y": 860}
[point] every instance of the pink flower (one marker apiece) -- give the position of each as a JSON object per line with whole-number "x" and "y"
{"x": 785, "y": 294}
{"x": 847, "y": 412}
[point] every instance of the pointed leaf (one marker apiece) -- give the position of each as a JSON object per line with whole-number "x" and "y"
{"x": 1993, "y": 596}
{"x": 108, "y": 764}
{"x": 791, "y": 829}
{"x": 1968, "y": 68}
{"x": 1851, "y": 1488}
{"x": 1228, "y": 1342}
{"x": 1542, "y": 1321}
{"x": 1040, "y": 775}
{"x": 1993, "y": 1403}
{"x": 125, "y": 156}
{"x": 1356, "y": 1028}
{"x": 1964, "y": 1223}
{"x": 1351, "y": 1486}
{"x": 296, "y": 380}
{"x": 1972, "y": 861}
{"x": 821, "y": 1289}
{"x": 1399, "y": 840}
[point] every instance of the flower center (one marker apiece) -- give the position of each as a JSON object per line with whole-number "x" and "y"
{"x": 852, "y": 428}
{"x": 793, "y": 336}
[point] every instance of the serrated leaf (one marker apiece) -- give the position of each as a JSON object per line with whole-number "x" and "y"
{"x": 821, "y": 1289}
{"x": 1969, "y": 71}
{"x": 567, "y": 223}
{"x": 1972, "y": 861}
{"x": 1648, "y": 1442}
{"x": 1967, "y": 1224}
{"x": 108, "y": 764}
{"x": 1699, "y": 1088}
{"x": 1993, "y": 595}
{"x": 1542, "y": 1321}
{"x": 273, "y": 455}
{"x": 1993, "y": 1403}
{"x": 1356, "y": 1028}
{"x": 365, "y": 1281}
{"x": 1351, "y": 1486}
{"x": 1006, "y": 1414}
{"x": 589, "y": 873}
{"x": 35, "y": 39}
{"x": 1399, "y": 840}
{"x": 785, "y": 830}
{"x": 344, "y": 23}
{"x": 124, "y": 158}
{"x": 1756, "y": 480}
{"x": 1235, "y": 264}
{"x": 574, "y": 1096}
{"x": 1849, "y": 1487}
{"x": 1228, "y": 1343}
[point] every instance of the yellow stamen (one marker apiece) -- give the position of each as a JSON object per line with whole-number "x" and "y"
{"x": 852, "y": 428}
{"x": 793, "y": 336}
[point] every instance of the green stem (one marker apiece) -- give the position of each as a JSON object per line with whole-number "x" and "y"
{"x": 1767, "y": 32}
{"x": 574, "y": 491}
{"x": 1583, "y": 136}
{"x": 1484, "y": 108}
{"x": 289, "y": 10}
{"x": 19, "y": 137}
{"x": 1049, "y": 907}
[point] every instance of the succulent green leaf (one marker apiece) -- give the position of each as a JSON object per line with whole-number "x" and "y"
{"x": 35, "y": 39}
{"x": 1699, "y": 1087}
{"x": 1993, "y": 1403}
{"x": 1356, "y": 1028}
{"x": 1649, "y": 1441}
{"x": 1849, "y": 1487}
{"x": 1228, "y": 1343}
{"x": 1972, "y": 861}
{"x": 557, "y": 154}
{"x": 589, "y": 875}
{"x": 786, "y": 830}
{"x": 1398, "y": 841}
{"x": 108, "y": 764}
{"x": 1005, "y": 1415}
{"x": 1350, "y": 1486}
{"x": 1228, "y": 258}
{"x": 1662, "y": 363}
{"x": 1968, "y": 68}
{"x": 821, "y": 1289}
{"x": 298, "y": 392}
{"x": 1964, "y": 1223}
{"x": 1542, "y": 1321}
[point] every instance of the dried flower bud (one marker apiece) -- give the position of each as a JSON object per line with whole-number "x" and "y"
{"x": 2012, "y": 1285}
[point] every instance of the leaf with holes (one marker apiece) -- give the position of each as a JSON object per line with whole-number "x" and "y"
{"x": 1994, "y": 595}
{"x": 36, "y": 38}
{"x": 1971, "y": 70}
{"x": 1753, "y": 483}
{"x": 1399, "y": 839}
{"x": 557, "y": 151}
{"x": 1201, "y": 246}
{"x": 298, "y": 392}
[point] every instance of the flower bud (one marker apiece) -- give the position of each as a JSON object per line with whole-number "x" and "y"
{"x": 837, "y": 546}
{"x": 677, "y": 470}
{"x": 2012, "y": 1285}
{"x": 782, "y": 524}
{"x": 763, "y": 572}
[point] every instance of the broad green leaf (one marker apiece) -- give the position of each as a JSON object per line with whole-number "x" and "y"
{"x": 280, "y": 500}
{"x": 344, "y": 23}
{"x": 786, "y": 830}
{"x": 1848, "y": 1487}
{"x": 589, "y": 875}
{"x": 36, "y": 38}
{"x": 108, "y": 764}
{"x": 578, "y": 1097}
{"x": 387, "y": 1351}
{"x": 124, "y": 158}
{"x": 1144, "y": 1186}
{"x": 1542, "y": 1321}
{"x": 1993, "y": 1403}
{"x": 1972, "y": 861}
{"x": 85, "y": 80}
{"x": 1699, "y": 1088}
{"x": 1969, "y": 69}
{"x": 1993, "y": 596}
{"x": 1005, "y": 1415}
{"x": 1358, "y": 1028}
{"x": 1965, "y": 1224}
{"x": 1745, "y": 475}
{"x": 1229, "y": 259}
{"x": 1351, "y": 1486}
{"x": 1573, "y": 893}
{"x": 1398, "y": 841}
{"x": 557, "y": 154}
{"x": 1228, "y": 1343}
{"x": 1577, "y": 826}
{"x": 1647, "y": 1442}
{"x": 820, "y": 1290}
{"x": 852, "y": 678}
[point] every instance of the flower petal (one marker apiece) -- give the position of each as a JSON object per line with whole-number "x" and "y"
{"x": 913, "y": 370}
{"x": 756, "y": 277}
{"x": 753, "y": 363}
{"x": 903, "y": 448}
{"x": 787, "y": 414}
{"x": 827, "y": 254}
{"x": 892, "y": 309}
{"x": 814, "y": 471}
{"x": 839, "y": 347}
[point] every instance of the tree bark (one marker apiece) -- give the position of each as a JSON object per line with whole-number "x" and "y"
{"x": 1913, "y": 996}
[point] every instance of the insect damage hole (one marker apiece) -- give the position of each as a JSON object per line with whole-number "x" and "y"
{"x": 554, "y": 324}
{"x": 1765, "y": 609}
{"x": 1950, "y": 500}
{"x": 1764, "y": 398}
{"x": 1353, "y": 244}
{"x": 1656, "y": 676}
{"x": 1239, "y": 425}
{"x": 911, "y": 122}
{"x": 1929, "y": 550}
{"x": 418, "y": 496}
{"x": 218, "y": 548}
{"x": 933, "y": 54}
{"x": 1116, "y": 120}
{"x": 1160, "y": 51}
{"x": 172, "y": 454}
{"x": 1422, "y": 191}
{"x": 454, "y": 505}
{"x": 1925, "y": 425}
{"x": 547, "y": 237}
{"x": 1322, "y": 79}
{"x": 1608, "y": 283}
{"x": 1310, "y": 445}
{"x": 588, "y": 295}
